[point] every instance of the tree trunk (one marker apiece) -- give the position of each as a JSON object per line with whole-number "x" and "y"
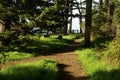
{"x": 70, "y": 26}
{"x": 81, "y": 18}
{"x": 66, "y": 18}
{"x": 101, "y": 3}
{"x": 110, "y": 23}
{"x": 88, "y": 23}
{"x": 106, "y": 3}
{"x": 65, "y": 30}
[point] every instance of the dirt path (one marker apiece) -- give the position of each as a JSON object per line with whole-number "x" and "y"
{"x": 69, "y": 67}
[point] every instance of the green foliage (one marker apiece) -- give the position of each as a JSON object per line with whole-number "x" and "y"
{"x": 45, "y": 69}
{"x": 24, "y": 15}
{"x": 109, "y": 22}
{"x": 90, "y": 60}
{"x": 95, "y": 67}
{"x": 112, "y": 54}
{"x": 101, "y": 42}
{"x": 116, "y": 17}
{"x": 99, "y": 19}
{"x": 29, "y": 46}
{"x": 13, "y": 55}
{"x": 106, "y": 19}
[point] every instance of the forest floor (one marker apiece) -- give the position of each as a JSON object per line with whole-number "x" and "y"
{"x": 69, "y": 67}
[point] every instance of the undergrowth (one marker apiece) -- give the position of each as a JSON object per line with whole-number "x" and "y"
{"x": 29, "y": 46}
{"x": 96, "y": 67}
{"x": 45, "y": 69}
{"x": 101, "y": 60}
{"x": 13, "y": 55}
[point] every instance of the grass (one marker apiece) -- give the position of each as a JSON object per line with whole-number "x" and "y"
{"x": 45, "y": 69}
{"x": 13, "y": 55}
{"x": 101, "y": 42}
{"x": 45, "y": 45}
{"x": 96, "y": 63}
{"x": 29, "y": 46}
{"x": 97, "y": 68}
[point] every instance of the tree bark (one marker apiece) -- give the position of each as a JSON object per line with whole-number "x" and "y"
{"x": 88, "y": 23}
{"x": 70, "y": 27}
{"x": 106, "y": 3}
{"x": 110, "y": 23}
{"x": 66, "y": 19}
{"x": 101, "y": 3}
{"x": 81, "y": 18}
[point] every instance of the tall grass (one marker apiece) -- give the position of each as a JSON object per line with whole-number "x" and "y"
{"x": 45, "y": 69}
{"x": 95, "y": 67}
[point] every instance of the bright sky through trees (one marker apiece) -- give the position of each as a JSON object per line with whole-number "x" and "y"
{"x": 75, "y": 21}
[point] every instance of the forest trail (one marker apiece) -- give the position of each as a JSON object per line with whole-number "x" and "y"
{"x": 69, "y": 66}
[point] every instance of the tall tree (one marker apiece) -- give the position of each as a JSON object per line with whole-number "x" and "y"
{"x": 66, "y": 16}
{"x": 80, "y": 18}
{"x": 111, "y": 14}
{"x": 88, "y": 23}
{"x": 106, "y": 3}
{"x": 71, "y": 17}
{"x": 101, "y": 3}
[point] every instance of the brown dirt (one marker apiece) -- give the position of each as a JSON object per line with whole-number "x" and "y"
{"x": 69, "y": 66}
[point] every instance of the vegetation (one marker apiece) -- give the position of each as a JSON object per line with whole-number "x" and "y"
{"x": 33, "y": 46}
{"x": 45, "y": 69}
{"x": 23, "y": 21}
{"x": 96, "y": 66}
{"x": 102, "y": 60}
{"x": 13, "y": 55}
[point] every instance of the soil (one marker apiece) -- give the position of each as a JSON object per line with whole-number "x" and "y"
{"x": 69, "y": 67}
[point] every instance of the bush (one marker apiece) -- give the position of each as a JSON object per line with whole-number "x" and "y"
{"x": 112, "y": 54}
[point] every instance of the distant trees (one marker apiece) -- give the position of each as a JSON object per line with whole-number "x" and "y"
{"x": 21, "y": 16}
{"x": 103, "y": 18}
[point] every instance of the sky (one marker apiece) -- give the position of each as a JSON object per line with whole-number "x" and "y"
{"x": 75, "y": 21}
{"x": 75, "y": 24}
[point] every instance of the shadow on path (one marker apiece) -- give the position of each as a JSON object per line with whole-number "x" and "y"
{"x": 65, "y": 75}
{"x": 72, "y": 47}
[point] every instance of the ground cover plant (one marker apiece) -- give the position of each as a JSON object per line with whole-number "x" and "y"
{"x": 29, "y": 46}
{"x": 96, "y": 60}
{"x": 45, "y": 69}
{"x": 13, "y": 55}
{"x": 96, "y": 67}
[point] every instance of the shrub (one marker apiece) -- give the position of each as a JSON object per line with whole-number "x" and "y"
{"x": 113, "y": 51}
